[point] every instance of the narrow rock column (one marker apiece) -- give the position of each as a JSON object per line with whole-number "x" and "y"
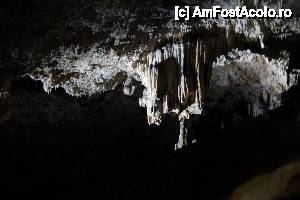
{"x": 183, "y": 134}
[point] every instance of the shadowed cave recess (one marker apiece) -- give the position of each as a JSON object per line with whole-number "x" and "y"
{"x": 117, "y": 100}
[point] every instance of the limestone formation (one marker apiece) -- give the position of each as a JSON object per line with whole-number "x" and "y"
{"x": 181, "y": 65}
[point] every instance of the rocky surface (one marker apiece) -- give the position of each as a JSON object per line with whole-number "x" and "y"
{"x": 76, "y": 75}
{"x": 94, "y": 47}
{"x": 280, "y": 184}
{"x": 251, "y": 78}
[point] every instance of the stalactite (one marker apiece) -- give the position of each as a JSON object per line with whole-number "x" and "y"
{"x": 174, "y": 83}
{"x": 172, "y": 60}
{"x": 253, "y": 78}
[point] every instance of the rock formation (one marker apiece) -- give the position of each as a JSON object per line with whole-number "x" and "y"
{"x": 181, "y": 65}
{"x": 279, "y": 184}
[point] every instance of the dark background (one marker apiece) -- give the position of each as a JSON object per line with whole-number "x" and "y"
{"x": 55, "y": 146}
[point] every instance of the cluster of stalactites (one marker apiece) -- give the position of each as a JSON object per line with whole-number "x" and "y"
{"x": 261, "y": 100}
{"x": 173, "y": 80}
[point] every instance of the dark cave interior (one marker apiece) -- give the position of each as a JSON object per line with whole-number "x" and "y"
{"x": 58, "y": 146}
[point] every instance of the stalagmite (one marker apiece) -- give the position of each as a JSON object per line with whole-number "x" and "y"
{"x": 183, "y": 135}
